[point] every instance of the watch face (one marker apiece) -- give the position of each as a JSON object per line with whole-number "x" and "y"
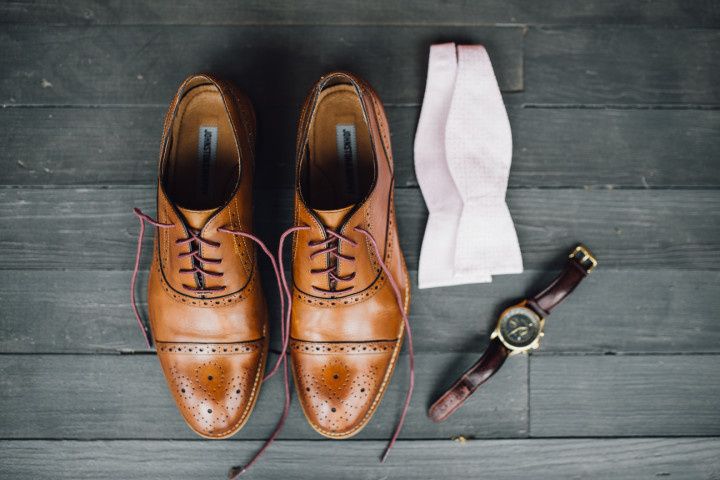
{"x": 519, "y": 326}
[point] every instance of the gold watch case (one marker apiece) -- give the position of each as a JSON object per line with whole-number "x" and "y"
{"x": 514, "y": 312}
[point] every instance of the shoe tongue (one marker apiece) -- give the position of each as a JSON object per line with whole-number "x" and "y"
{"x": 332, "y": 219}
{"x": 196, "y": 219}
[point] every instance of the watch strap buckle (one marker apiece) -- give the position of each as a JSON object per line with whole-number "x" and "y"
{"x": 584, "y": 257}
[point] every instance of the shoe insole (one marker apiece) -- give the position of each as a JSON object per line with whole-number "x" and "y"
{"x": 340, "y": 157}
{"x": 203, "y": 165}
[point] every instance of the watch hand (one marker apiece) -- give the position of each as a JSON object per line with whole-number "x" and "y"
{"x": 516, "y": 329}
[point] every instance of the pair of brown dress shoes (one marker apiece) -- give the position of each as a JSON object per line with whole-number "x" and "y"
{"x": 349, "y": 298}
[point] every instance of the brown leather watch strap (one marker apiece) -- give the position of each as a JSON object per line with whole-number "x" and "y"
{"x": 489, "y": 363}
{"x": 581, "y": 262}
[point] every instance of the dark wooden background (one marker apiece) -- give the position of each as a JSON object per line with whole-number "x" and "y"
{"x": 614, "y": 109}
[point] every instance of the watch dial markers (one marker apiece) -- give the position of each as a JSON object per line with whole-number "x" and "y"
{"x": 519, "y": 327}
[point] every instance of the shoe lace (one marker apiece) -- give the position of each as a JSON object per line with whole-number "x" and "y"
{"x": 195, "y": 240}
{"x": 138, "y": 254}
{"x": 235, "y": 472}
{"x": 284, "y": 326}
{"x": 285, "y": 315}
{"x": 330, "y": 246}
{"x": 411, "y": 352}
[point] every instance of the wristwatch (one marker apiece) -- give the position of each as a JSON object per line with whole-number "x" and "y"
{"x": 518, "y": 330}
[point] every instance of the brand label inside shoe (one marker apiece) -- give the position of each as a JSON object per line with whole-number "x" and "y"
{"x": 207, "y": 151}
{"x": 347, "y": 154}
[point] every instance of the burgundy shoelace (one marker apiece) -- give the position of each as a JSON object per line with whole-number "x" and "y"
{"x": 331, "y": 247}
{"x": 411, "y": 352}
{"x": 138, "y": 253}
{"x": 327, "y": 247}
{"x": 236, "y": 472}
{"x": 282, "y": 358}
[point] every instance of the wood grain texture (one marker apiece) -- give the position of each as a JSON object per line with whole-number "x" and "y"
{"x": 614, "y": 110}
{"x": 275, "y": 66}
{"x": 111, "y": 396}
{"x": 144, "y": 64}
{"x": 376, "y": 12}
{"x": 82, "y": 229}
{"x": 616, "y": 311}
{"x": 624, "y": 395}
{"x": 552, "y": 147}
{"x": 622, "y": 65}
{"x": 619, "y": 459}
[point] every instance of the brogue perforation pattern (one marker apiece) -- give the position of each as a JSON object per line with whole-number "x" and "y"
{"x": 342, "y": 347}
{"x": 338, "y": 395}
{"x": 208, "y": 348}
{"x": 209, "y": 383}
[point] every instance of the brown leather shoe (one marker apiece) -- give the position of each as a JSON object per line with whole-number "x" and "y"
{"x": 207, "y": 311}
{"x": 347, "y": 324}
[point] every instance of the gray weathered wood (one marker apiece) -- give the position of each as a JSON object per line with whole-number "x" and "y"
{"x": 552, "y": 147}
{"x": 622, "y": 65}
{"x": 614, "y": 311}
{"x": 376, "y": 12}
{"x": 614, "y": 112}
{"x": 111, "y": 396}
{"x": 106, "y": 396}
{"x": 650, "y": 229}
{"x": 619, "y": 459}
{"x": 145, "y": 65}
{"x": 624, "y": 395}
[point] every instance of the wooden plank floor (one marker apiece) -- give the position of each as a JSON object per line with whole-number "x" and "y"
{"x": 615, "y": 109}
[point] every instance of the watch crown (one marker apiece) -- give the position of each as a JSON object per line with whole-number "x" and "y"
{"x": 542, "y": 334}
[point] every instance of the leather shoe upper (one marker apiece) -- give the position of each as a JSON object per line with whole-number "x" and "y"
{"x": 346, "y": 326}
{"x": 206, "y": 307}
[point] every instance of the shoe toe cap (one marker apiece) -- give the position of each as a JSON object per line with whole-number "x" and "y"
{"x": 214, "y": 385}
{"x": 341, "y": 384}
